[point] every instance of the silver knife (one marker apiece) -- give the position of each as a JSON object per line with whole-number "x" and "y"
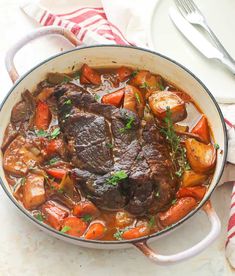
{"x": 198, "y": 40}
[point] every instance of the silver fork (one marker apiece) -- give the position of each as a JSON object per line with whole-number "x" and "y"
{"x": 193, "y": 15}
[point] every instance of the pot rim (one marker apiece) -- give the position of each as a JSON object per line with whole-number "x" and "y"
{"x": 145, "y": 238}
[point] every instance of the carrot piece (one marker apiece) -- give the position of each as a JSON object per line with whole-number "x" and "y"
{"x": 202, "y": 129}
{"x": 136, "y": 232}
{"x": 85, "y": 207}
{"x": 114, "y": 98}
{"x": 54, "y": 213}
{"x": 57, "y": 172}
{"x": 96, "y": 231}
{"x": 89, "y": 75}
{"x": 43, "y": 116}
{"x": 74, "y": 226}
{"x": 53, "y": 146}
{"x": 123, "y": 73}
{"x": 176, "y": 212}
{"x": 197, "y": 192}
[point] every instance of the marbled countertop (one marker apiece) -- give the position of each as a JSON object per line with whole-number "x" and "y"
{"x": 25, "y": 250}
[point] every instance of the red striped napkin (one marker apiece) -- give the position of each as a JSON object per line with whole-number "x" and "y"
{"x": 128, "y": 27}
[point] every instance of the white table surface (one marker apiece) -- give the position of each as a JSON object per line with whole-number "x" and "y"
{"x": 25, "y": 250}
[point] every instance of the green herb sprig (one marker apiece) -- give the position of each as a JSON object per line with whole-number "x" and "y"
{"x": 128, "y": 125}
{"x": 65, "y": 229}
{"x": 178, "y": 153}
{"x": 116, "y": 178}
{"x": 87, "y": 218}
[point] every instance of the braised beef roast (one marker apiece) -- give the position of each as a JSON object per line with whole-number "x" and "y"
{"x": 101, "y": 145}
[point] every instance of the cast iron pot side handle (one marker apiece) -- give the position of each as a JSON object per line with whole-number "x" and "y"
{"x": 188, "y": 253}
{"x": 51, "y": 30}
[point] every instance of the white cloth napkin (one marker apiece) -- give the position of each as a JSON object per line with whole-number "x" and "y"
{"x": 125, "y": 22}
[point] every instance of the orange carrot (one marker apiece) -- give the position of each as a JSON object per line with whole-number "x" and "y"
{"x": 123, "y": 73}
{"x": 202, "y": 130}
{"x": 85, "y": 207}
{"x": 114, "y": 98}
{"x": 95, "y": 232}
{"x": 136, "y": 232}
{"x": 74, "y": 226}
{"x": 56, "y": 172}
{"x": 53, "y": 146}
{"x": 42, "y": 116}
{"x": 176, "y": 212}
{"x": 197, "y": 192}
{"x": 89, "y": 75}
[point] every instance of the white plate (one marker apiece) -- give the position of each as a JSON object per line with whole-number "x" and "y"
{"x": 170, "y": 42}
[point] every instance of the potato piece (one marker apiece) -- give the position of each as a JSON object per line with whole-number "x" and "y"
{"x": 180, "y": 128}
{"x": 190, "y": 178}
{"x": 33, "y": 191}
{"x": 17, "y": 158}
{"x": 123, "y": 219}
{"x": 159, "y": 101}
{"x": 202, "y": 158}
{"x": 133, "y": 100}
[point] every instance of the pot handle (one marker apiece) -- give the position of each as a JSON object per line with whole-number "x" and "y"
{"x": 9, "y": 59}
{"x": 188, "y": 253}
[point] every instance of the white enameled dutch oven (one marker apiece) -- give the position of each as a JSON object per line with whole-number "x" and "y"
{"x": 111, "y": 56}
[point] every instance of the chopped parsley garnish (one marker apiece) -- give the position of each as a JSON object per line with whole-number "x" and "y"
{"x": 22, "y": 181}
{"x": 66, "y": 79}
{"x": 137, "y": 98}
{"x": 134, "y": 73}
{"x": 65, "y": 229}
{"x": 118, "y": 234}
{"x": 97, "y": 97}
{"x": 53, "y": 161}
{"x": 178, "y": 153}
{"x": 144, "y": 85}
{"x": 61, "y": 191}
{"x": 41, "y": 133}
{"x": 55, "y": 133}
{"x": 161, "y": 86}
{"x": 68, "y": 102}
{"x": 76, "y": 75}
{"x": 87, "y": 218}
{"x": 216, "y": 146}
{"x": 117, "y": 177}
{"x": 39, "y": 217}
{"x": 173, "y": 201}
{"x": 151, "y": 222}
{"x": 128, "y": 125}
{"x": 52, "y": 135}
{"x": 109, "y": 145}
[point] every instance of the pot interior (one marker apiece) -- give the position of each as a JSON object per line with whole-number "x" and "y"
{"x": 114, "y": 56}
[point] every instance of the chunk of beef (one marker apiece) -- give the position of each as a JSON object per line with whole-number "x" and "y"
{"x": 23, "y": 110}
{"x": 100, "y": 145}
